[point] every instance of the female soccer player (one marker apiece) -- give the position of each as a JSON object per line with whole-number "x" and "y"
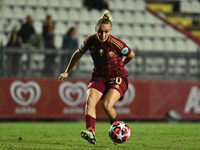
{"x": 109, "y": 78}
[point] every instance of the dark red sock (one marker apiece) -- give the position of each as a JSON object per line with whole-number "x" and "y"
{"x": 113, "y": 120}
{"x": 90, "y": 122}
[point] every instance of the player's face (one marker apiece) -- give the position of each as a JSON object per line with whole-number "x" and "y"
{"x": 103, "y": 32}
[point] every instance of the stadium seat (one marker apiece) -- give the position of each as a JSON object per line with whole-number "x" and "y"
{"x": 75, "y": 3}
{"x": 60, "y": 28}
{"x": 169, "y": 44}
{"x": 128, "y": 42}
{"x": 62, "y": 15}
{"x": 54, "y": 3}
{"x": 111, "y": 4}
{"x": 7, "y": 12}
{"x": 179, "y": 34}
{"x": 148, "y": 44}
{"x": 129, "y": 17}
{"x": 193, "y": 66}
{"x": 3, "y": 39}
{"x": 85, "y": 15}
{"x": 37, "y": 62}
{"x": 118, "y": 16}
{"x": 138, "y": 31}
{"x": 185, "y": 6}
{"x": 148, "y": 30}
{"x": 127, "y": 30}
{"x": 92, "y": 28}
{"x": 161, "y": 7}
{"x": 158, "y": 44}
{"x": 195, "y": 5}
{"x": 151, "y": 19}
{"x": 180, "y": 45}
{"x": 169, "y": 31}
{"x": 140, "y": 5}
{"x": 130, "y": 5}
{"x": 13, "y": 24}
{"x": 43, "y": 3}
{"x": 18, "y": 13}
{"x": 58, "y": 41}
{"x": 118, "y": 5}
{"x": 181, "y": 21}
{"x": 159, "y": 31}
{"x": 190, "y": 6}
{"x": 53, "y": 13}
{"x": 116, "y": 30}
{"x": 9, "y": 2}
{"x": 137, "y": 44}
{"x": 154, "y": 66}
{"x": 74, "y": 15}
{"x": 3, "y": 24}
{"x": 37, "y": 26}
{"x": 20, "y": 3}
{"x": 68, "y": 25}
{"x": 191, "y": 46}
{"x": 29, "y": 11}
{"x": 81, "y": 38}
{"x": 180, "y": 65}
{"x": 94, "y": 15}
{"x": 31, "y": 3}
{"x": 65, "y": 4}
{"x": 83, "y": 28}
{"x": 139, "y": 17}
{"x": 40, "y": 14}
{"x": 86, "y": 63}
{"x": 171, "y": 65}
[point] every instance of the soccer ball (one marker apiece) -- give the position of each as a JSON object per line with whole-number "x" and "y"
{"x": 119, "y": 132}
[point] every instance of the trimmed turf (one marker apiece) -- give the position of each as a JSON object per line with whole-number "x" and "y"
{"x": 66, "y": 136}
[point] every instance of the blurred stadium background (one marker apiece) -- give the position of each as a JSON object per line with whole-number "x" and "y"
{"x": 164, "y": 34}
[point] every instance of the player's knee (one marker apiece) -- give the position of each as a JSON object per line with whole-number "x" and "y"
{"x": 107, "y": 106}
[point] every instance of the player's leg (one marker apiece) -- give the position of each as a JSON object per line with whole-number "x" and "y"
{"x": 93, "y": 97}
{"x": 111, "y": 97}
{"x": 117, "y": 88}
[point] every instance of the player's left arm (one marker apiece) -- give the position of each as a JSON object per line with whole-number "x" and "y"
{"x": 128, "y": 58}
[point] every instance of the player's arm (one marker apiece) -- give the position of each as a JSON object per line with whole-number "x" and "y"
{"x": 128, "y": 58}
{"x": 73, "y": 61}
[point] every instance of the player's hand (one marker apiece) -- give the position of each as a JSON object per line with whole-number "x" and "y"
{"x": 62, "y": 76}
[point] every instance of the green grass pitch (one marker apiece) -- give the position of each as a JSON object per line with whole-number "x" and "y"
{"x": 66, "y": 136}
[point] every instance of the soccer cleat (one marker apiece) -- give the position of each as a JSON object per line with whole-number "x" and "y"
{"x": 89, "y": 136}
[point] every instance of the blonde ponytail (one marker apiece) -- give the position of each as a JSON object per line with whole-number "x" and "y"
{"x": 106, "y": 15}
{"x": 105, "y": 18}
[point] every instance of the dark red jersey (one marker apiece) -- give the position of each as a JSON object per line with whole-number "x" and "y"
{"x": 107, "y": 56}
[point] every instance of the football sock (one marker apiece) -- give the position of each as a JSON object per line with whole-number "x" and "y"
{"x": 113, "y": 120}
{"x": 90, "y": 123}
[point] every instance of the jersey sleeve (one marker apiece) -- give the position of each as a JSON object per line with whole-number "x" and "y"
{"x": 82, "y": 48}
{"x": 84, "y": 45}
{"x": 123, "y": 49}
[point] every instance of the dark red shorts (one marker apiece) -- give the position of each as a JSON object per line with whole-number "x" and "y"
{"x": 104, "y": 84}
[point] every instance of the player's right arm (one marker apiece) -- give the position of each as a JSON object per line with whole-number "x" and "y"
{"x": 73, "y": 61}
{"x": 76, "y": 57}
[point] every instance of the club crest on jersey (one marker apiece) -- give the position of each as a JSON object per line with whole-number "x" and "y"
{"x": 124, "y": 51}
{"x": 101, "y": 51}
{"x": 111, "y": 53}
